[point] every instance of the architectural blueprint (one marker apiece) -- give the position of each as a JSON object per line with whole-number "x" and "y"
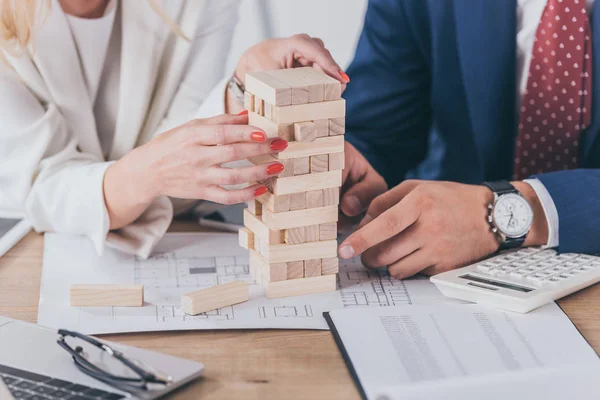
{"x": 185, "y": 262}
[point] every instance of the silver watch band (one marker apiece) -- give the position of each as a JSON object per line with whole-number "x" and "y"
{"x": 236, "y": 88}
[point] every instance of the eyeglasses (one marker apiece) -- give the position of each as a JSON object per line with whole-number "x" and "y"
{"x": 135, "y": 378}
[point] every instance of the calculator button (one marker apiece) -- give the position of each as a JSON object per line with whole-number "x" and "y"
{"x": 519, "y": 273}
{"x": 586, "y": 257}
{"x": 485, "y": 267}
{"x": 557, "y": 268}
{"x": 555, "y": 280}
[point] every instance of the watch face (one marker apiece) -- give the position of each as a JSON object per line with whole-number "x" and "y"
{"x": 512, "y": 215}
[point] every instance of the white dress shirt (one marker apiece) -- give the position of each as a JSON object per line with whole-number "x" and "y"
{"x": 529, "y": 14}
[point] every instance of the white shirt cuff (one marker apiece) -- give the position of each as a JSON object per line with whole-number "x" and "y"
{"x": 549, "y": 210}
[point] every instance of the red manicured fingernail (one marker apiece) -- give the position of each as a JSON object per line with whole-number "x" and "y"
{"x": 258, "y": 136}
{"x": 245, "y": 112}
{"x": 275, "y": 169}
{"x": 345, "y": 76}
{"x": 260, "y": 191}
{"x": 279, "y": 145}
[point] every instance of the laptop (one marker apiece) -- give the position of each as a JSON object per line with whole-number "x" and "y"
{"x": 34, "y": 367}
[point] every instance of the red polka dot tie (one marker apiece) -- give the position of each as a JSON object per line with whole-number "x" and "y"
{"x": 555, "y": 108}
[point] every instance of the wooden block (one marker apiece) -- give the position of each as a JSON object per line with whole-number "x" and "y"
{"x": 331, "y": 196}
{"x": 330, "y": 266}
{"x": 273, "y": 272}
{"x": 249, "y": 101}
{"x": 260, "y": 230}
{"x": 322, "y": 127}
{"x": 255, "y": 207}
{"x": 301, "y": 165}
{"x": 98, "y": 295}
{"x": 295, "y": 235}
{"x": 315, "y": 198}
{"x": 305, "y": 131}
{"x": 309, "y": 112}
{"x": 259, "y": 107}
{"x": 246, "y": 238}
{"x": 294, "y": 219}
{"x": 215, "y": 297}
{"x": 272, "y": 90}
{"x": 328, "y": 231}
{"x": 311, "y": 233}
{"x": 312, "y": 268}
{"x": 275, "y": 203}
{"x": 298, "y": 287}
{"x": 336, "y": 161}
{"x": 337, "y": 126}
{"x": 307, "y": 84}
{"x": 297, "y": 201}
{"x": 304, "y": 183}
{"x": 295, "y": 269}
{"x": 299, "y": 94}
{"x": 288, "y": 164}
{"x": 319, "y": 163}
{"x": 268, "y": 114}
{"x": 272, "y": 130}
{"x": 278, "y": 253}
{"x": 326, "y": 145}
{"x": 332, "y": 88}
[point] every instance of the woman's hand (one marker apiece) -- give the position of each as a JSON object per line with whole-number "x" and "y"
{"x": 185, "y": 162}
{"x": 295, "y": 51}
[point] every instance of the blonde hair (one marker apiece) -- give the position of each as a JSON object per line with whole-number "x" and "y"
{"x": 18, "y": 19}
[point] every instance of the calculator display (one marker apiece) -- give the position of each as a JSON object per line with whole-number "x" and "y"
{"x": 492, "y": 282}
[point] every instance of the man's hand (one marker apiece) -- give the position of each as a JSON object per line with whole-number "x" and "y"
{"x": 432, "y": 227}
{"x": 361, "y": 183}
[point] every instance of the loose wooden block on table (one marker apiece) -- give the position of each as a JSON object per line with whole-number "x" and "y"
{"x": 102, "y": 295}
{"x": 330, "y": 266}
{"x": 272, "y": 90}
{"x": 321, "y": 127}
{"x": 331, "y": 196}
{"x": 301, "y": 165}
{"x": 311, "y": 233}
{"x": 336, "y": 161}
{"x": 297, "y": 201}
{"x": 325, "y": 145}
{"x": 305, "y": 131}
{"x": 319, "y": 163}
{"x": 337, "y": 126}
{"x": 246, "y": 238}
{"x": 297, "y": 287}
{"x": 309, "y": 112}
{"x": 315, "y": 199}
{"x": 307, "y": 182}
{"x": 312, "y": 268}
{"x": 280, "y": 253}
{"x": 295, "y": 235}
{"x": 294, "y": 219}
{"x": 272, "y": 130}
{"x": 218, "y": 296}
{"x": 328, "y": 231}
{"x": 260, "y": 230}
{"x": 295, "y": 269}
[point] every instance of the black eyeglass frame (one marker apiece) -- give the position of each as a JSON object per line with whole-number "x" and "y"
{"x": 120, "y": 382}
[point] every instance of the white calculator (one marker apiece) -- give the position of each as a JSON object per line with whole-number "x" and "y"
{"x": 520, "y": 280}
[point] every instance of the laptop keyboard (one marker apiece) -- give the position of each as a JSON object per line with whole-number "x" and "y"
{"x": 27, "y": 385}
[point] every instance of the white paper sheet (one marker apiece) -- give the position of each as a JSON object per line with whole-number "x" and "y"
{"x": 462, "y": 352}
{"x": 190, "y": 261}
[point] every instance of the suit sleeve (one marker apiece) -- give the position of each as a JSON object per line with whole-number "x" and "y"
{"x": 388, "y": 105}
{"x": 576, "y": 195}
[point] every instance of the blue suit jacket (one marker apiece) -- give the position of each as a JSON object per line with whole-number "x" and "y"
{"x": 433, "y": 96}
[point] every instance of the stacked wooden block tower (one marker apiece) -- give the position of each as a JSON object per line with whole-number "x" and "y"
{"x": 291, "y": 230}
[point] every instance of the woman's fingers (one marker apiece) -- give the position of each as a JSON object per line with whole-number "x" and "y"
{"x": 242, "y": 151}
{"x": 224, "y": 196}
{"x": 212, "y": 135}
{"x": 235, "y": 176}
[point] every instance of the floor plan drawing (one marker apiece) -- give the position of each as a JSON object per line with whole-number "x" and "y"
{"x": 285, "y": 311}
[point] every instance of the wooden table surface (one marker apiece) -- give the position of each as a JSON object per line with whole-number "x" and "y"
{"x": 242, "y": 364}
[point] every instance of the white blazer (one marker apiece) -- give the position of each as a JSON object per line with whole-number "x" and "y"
{"x": 52, "y": 165}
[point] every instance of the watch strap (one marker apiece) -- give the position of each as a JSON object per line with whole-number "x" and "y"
{"x": 501, "y": 187}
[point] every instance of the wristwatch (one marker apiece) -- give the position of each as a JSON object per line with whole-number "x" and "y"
{"x": 510, "y": 215}
{"x": 236, "y": 88}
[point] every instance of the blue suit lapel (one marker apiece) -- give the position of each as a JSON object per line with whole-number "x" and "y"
{"x": 486, "y": 37}
{"x": 592, "y": 132}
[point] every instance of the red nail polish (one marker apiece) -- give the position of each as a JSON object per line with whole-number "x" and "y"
{"x": 279, "y": 145}
{"x": 258, "y": 136}
{"x": 260, "y": 191}
{"x": 245, "y": 112}
{"x": 275, "y": 169}
{"x": 345, "y": 76}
